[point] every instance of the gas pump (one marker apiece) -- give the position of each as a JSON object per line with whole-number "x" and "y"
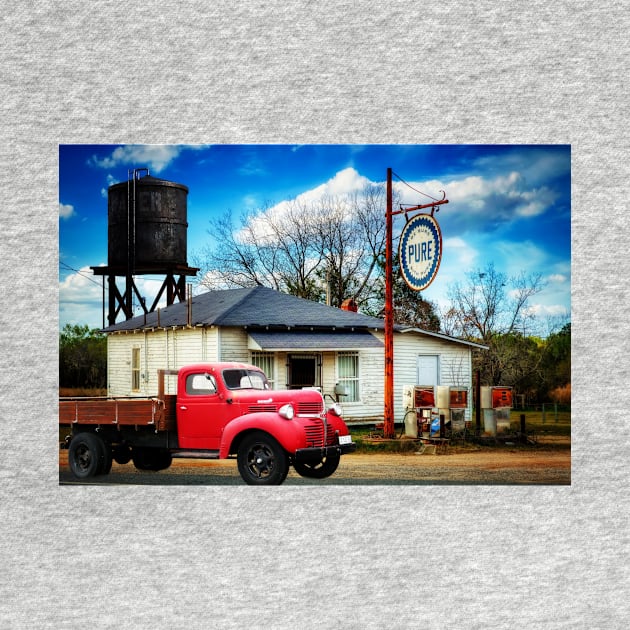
{"x": 424, "y": 402}
{"x": 458, "y": 403}
{"x": 496, "y": 403}
{"x": 452, "y": 403}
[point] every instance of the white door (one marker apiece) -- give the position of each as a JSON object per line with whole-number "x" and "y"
{"x": 428, "y": 369}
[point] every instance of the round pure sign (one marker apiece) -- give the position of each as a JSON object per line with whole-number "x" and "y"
{"x": 420, "y": 251}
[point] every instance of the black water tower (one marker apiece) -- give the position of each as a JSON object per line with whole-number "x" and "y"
{"x": 147, "y": 234}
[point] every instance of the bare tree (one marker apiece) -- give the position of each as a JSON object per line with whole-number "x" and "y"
{"x": 269, "y": 249}
{"x": 340, "y": 243}
{"x": 490, "y": 303}
{"x": 330, "y": 247}
{"x": 369, "y": 210}
{"x": 494, "y": 309}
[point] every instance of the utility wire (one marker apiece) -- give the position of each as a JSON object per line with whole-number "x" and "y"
{"x": 81, "y": 273}
{"x": 412, "y": 188}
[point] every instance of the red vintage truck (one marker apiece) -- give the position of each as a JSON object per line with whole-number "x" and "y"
{"x": 221, "y": 410}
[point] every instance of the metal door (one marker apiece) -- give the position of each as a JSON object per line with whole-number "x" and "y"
{"x": 200, "y": 412}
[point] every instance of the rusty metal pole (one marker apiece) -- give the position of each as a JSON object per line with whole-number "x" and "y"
{"x": 478, "y": 404}
{"x": 388, "y": 425}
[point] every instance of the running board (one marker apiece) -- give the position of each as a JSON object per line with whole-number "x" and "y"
{"x": 198, "y": 454}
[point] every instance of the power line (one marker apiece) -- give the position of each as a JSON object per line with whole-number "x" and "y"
{"x": 81, "y": 273}
{"x": 412, "y": 188}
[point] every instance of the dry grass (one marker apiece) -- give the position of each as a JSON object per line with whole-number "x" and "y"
{"x": 65, "y": 392}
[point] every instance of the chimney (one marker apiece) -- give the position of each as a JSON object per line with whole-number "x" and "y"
{"x": 349, "y": 305}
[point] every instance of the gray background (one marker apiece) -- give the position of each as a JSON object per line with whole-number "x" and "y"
{"x": 365, "y": 557}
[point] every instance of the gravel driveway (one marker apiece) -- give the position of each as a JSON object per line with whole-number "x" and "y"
{"x": 546, "y": 465}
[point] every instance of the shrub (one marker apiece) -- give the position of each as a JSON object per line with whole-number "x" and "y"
{"x": 561, "y": 395}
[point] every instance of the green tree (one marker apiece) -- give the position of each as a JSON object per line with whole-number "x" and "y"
{"x": 492, "y": 308}
{"x": 514, "y": 360}
{"x": 557, "y": 359}
{"x": 82, "y": 357}
{"x": 410, "y": 308}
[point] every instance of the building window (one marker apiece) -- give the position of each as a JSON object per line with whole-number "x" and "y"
{"x": 304, "y": 370}
{"x": 135, "y": 369}
{"x": 266, "y": 362}
{"x": 348, "y": 375}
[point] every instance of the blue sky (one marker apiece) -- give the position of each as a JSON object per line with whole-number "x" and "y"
{"x": 508, "y": 204}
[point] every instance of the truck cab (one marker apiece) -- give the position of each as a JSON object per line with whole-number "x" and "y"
{"x": 221, "y": 406}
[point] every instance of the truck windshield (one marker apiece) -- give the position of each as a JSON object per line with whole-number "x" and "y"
{"x": 245, "y": 379}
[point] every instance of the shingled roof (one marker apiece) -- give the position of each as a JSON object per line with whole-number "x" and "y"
{"x": 257, "y": 308}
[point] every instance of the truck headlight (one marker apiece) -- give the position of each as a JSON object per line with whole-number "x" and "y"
{"x": 336, "y": 410}
{"x": 287, "y": 412}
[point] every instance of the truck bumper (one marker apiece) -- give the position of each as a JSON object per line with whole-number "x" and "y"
{"x": 316, "y": 454}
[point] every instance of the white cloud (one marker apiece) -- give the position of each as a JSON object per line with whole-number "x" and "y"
{"x": 462, "y": 255}
{"x": 535, "y": 165}
{"x": 66, "y": 211}
{"x": 340, "y": 187}
{"x": 343, "y": 184}
{"x": 250, "y": 202}
{"x": 81, "y": 297}
{"x": 506, "y": 195}
{"x": 547, "y": 310}
{"x": 156, "y": 157}
{"x": 111, "y": 180}
{"x": 77, "y": 287}
{"x": 557, "y": 278}
{"x": 535, "y": 202}
{"x": 412, "y": 197}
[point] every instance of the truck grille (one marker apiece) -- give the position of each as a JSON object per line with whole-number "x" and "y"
{"x": 311, "y": 408}
{"x": 305, "y": 409}
{"x": 261, "y": 408}
{"x": 315, "y": 434}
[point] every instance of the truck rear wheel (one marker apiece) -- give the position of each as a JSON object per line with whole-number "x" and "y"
{"x": 86, "y": 455}
{"x": 106, "y": 462}
{"x": 262, "y": 461}
{"x": 321, "y": 470}
{"x": 151, "y": 458}
{"x": 121, "y": 454}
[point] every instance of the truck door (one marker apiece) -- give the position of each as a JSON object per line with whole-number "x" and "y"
{"x": 199, "y": 418}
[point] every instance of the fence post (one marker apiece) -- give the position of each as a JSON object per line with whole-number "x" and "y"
{"x": 543, "y": 413}
{"x": 523, "y": 436}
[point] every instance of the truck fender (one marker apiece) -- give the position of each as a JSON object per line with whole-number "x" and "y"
{"x": 286, "y": 432}
{"x": 337, "y": 424}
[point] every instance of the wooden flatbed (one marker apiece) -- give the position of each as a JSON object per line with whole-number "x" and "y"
{"x": 156, "y": 412}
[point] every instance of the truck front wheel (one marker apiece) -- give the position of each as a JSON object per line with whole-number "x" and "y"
{"x": 262, "y": 461}
{"x": 321, "y": 470}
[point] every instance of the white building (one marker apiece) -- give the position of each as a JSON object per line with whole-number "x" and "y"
{"x": 298, "y": 343}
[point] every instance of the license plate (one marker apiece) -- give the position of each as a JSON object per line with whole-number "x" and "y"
{"x": 345, "y": 439}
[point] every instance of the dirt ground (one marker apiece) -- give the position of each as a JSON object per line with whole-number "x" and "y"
{"x": 548, "y": 463}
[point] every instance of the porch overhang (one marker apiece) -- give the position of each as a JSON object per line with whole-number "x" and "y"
{"x": 332, "y": 341}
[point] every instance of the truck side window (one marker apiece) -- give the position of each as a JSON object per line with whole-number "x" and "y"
{"x": 200, "y": 385}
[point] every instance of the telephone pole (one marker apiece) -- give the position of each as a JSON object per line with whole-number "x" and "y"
{"x": 388, "y": 425}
